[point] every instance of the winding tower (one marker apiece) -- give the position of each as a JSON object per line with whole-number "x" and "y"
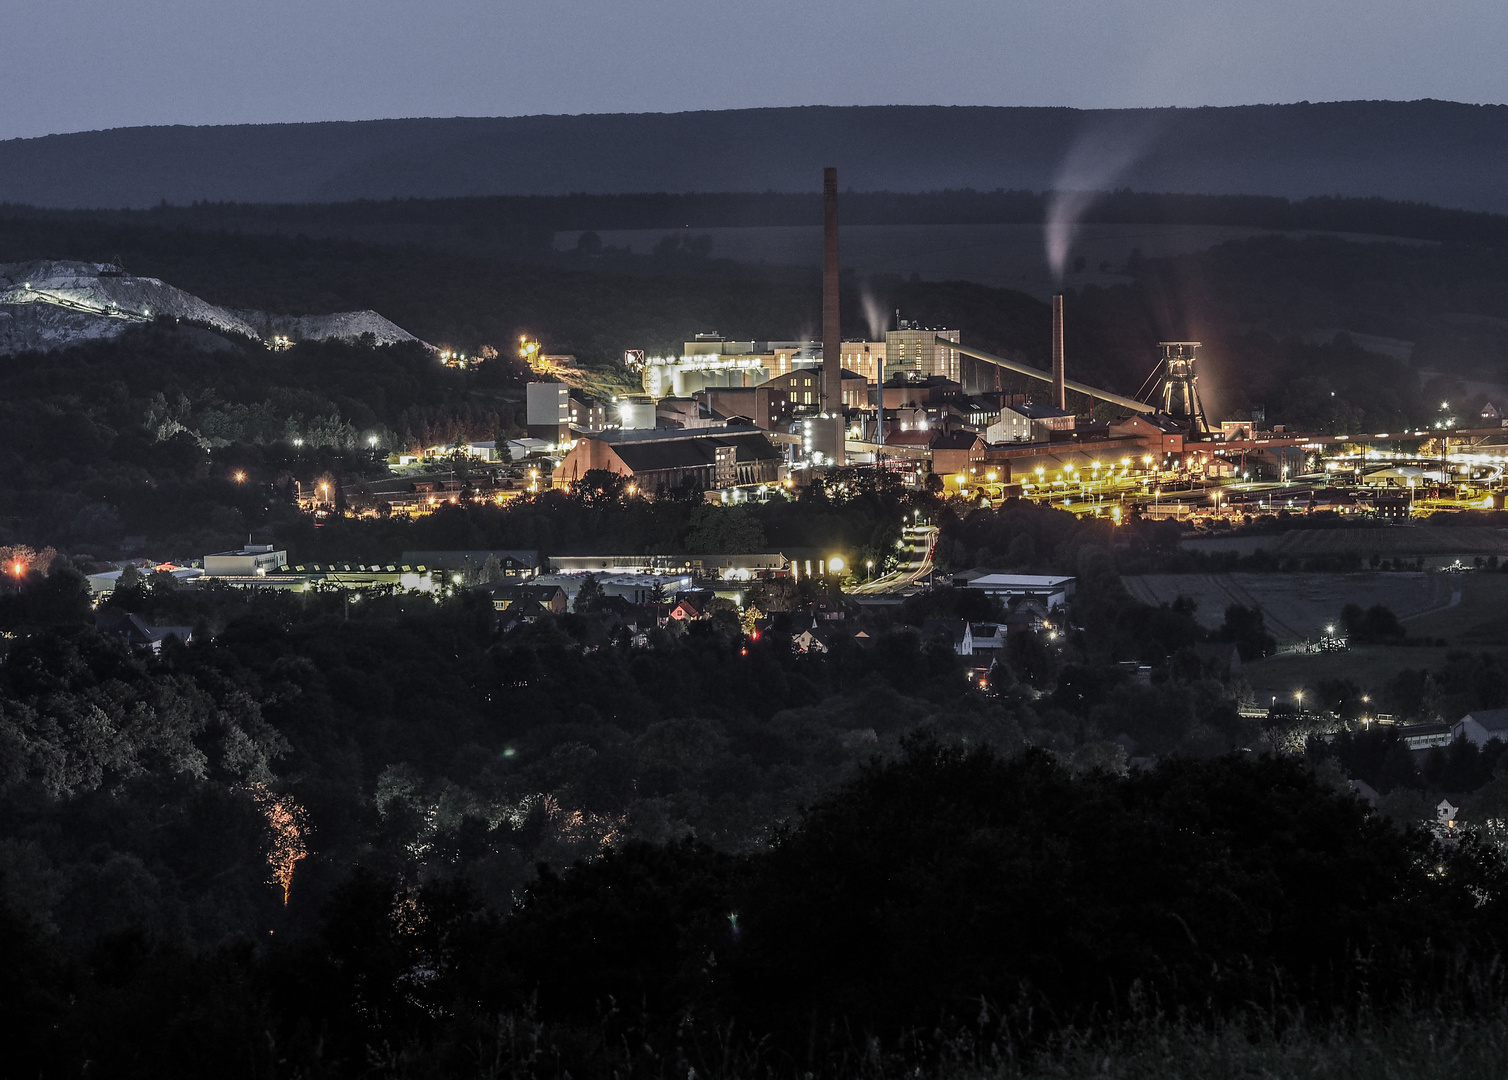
{"x": 1180, "y": 388}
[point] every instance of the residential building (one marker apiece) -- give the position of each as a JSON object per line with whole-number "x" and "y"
{"x": 982, "y": 639}
{"x": 690, "y": 607}
{"x": 1025, "y": 613}
{"x": 549, "y": 598}
{"x": 1482, "y": 726}
{"x": 814, "y": 639}
{"x": 136, "y": 631}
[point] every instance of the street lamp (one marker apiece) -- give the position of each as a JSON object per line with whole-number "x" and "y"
{"x": 868, "y": 569}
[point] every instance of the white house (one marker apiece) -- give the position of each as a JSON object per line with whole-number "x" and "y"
{"x": 981, "y": 638}
{"x": 1481, "y": 727}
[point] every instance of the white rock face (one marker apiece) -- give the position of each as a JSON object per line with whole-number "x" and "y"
{"x": 52, "y": 304}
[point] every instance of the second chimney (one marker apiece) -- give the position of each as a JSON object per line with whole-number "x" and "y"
{"x": 832, "y": 326}
{"x": 1059, "y": 391}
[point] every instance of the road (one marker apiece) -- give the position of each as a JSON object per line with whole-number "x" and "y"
{"x": 915, "y": 563}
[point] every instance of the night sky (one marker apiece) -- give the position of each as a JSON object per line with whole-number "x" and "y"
{"x": 71, "y": 65}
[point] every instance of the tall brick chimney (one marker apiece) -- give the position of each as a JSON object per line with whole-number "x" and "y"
{"x": 832, "y": 326}
{"x": 1059, "y": 391}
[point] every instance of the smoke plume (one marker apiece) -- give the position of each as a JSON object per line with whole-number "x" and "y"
{"x": 876, "y": 316}
{"x": 1098, "y": 156}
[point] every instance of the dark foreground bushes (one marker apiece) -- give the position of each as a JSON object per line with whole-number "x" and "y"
{"x": 946, "y": 900}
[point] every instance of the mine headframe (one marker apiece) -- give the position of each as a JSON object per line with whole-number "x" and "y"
{"x": 1180, "y": 388}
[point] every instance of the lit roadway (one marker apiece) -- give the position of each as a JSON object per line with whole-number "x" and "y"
{"x": 915, "y": 563}
{"x": 1171, "y": 496}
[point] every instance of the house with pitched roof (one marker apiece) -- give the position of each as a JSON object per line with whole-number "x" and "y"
{"x": 1482, "y": 726}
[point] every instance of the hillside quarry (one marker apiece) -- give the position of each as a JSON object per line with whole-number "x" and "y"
{"x": 50, "y": 304}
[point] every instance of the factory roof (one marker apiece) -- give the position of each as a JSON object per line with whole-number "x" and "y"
{"x": 693, "y": 450}
{"x": 957, "y": 440}
{"x": 619, "y": 438}
{"x": 1034, "y": 411}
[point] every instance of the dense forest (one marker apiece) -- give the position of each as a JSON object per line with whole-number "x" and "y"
{"x": 384, "y": 838}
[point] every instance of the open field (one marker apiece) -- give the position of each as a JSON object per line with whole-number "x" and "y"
{"x": 1438, "y": 544}
{"x": 1368, "y": 666}
{"x": 1299, "y": 606}
{"x": 1479, "y": 619}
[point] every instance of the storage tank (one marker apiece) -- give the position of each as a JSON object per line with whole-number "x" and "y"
{"x": 687, "y": 383}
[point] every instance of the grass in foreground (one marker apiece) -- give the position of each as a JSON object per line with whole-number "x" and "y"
{"x": 1431, "y": 1047}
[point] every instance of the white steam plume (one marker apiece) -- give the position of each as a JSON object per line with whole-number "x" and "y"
{"x": 875, "y": 316}
{"x": 1097, "y": 157}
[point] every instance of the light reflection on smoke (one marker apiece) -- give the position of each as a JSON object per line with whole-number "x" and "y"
{"x": 1098, "y": 156}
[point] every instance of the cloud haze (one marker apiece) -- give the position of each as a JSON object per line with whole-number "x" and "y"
{"x": 73, "y": 65}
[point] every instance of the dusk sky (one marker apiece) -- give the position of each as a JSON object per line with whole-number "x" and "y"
{"x": 71, "y": 65}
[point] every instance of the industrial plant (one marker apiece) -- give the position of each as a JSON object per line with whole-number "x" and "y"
{"x": 742, "y": 418}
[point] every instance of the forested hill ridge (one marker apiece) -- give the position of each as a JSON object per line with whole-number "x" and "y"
{"x": 524, "y": 226}
{"x": 1439, "y": 152}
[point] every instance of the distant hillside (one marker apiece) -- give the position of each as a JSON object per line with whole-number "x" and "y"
{"x": 1429, "y": 151}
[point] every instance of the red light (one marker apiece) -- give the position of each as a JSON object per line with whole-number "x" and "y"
{"x": 18, "y": 568}
{"x": 754, "y": 636}
{"x": 743, "y": 652}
